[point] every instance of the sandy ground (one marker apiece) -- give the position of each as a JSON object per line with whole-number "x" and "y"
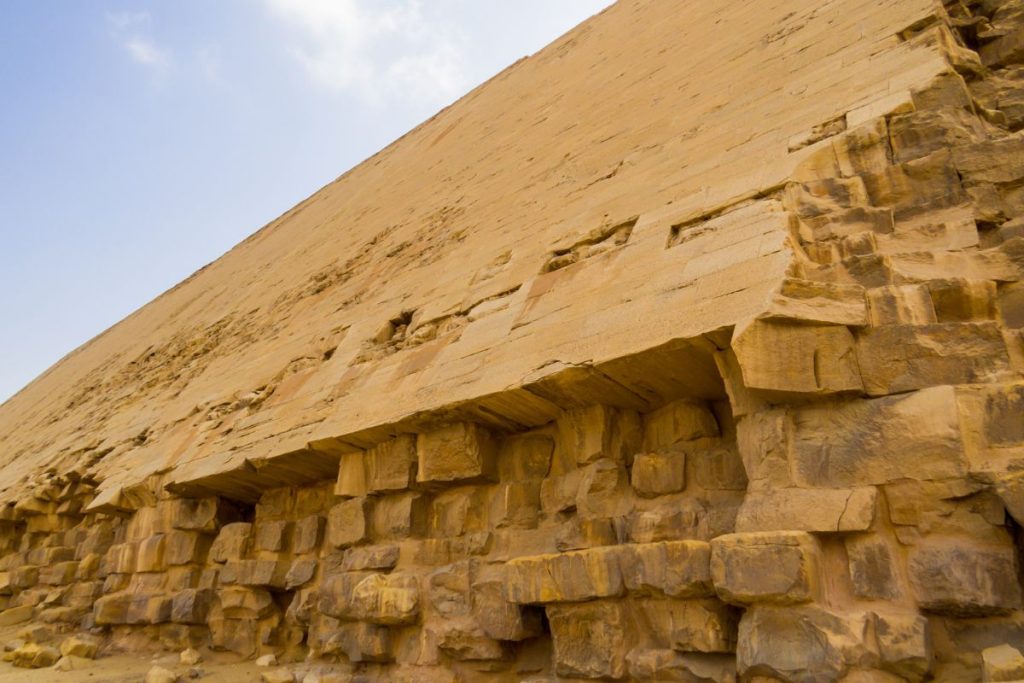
{"x": 216, "y": 667}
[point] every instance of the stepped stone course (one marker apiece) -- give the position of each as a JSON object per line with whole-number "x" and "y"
{"x": 690, "y": 348}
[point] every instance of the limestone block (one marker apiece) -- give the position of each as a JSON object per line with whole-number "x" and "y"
{"x": 676, "y": 423}
{"x": 16, "y": 615}
{"x": 151, "y": 555}
{"x": 689, "y": 625}
{"x": 718, "y": 469}
{"x": 597, "y": 432}
{"x": 271, "y": 536}
{"x": 797, "y": 360}
{"x": 498, "y": 617}
{"x": 515, "y": 505}
{"x": 82, "y": 646}
{"x": 336, "y": 593}
{"x": 669, "y": 665}
{"x": 390, "y": 600}
{"x": 255, "y": 572}
{"x": 578, "y": 533}
{"x": 186, "y": 547}
{"x": 25, "y": 577}
{"x": 88, "y": 568}
{"x": 448, "y": 589}
{"x": 59, "y": 574}
{"x": 864, "y": 442}
{"x": 873, "y": 567}
{"x": 459, "y": 511}
{"x": 159, "y": 674}
{"x": 307, "y": 534}
{"x": 462, "y": 452}
{"x": 558, "y": 493}
{"x": 779, "y": 567}
{"x": 195, "y": 514}
{"x": 278, "y": 676}
{"x": 35, "y": 656}
{"x": 566, "y": 577}
{"x": 148, "y": 609}
{"x": 121, "y": 558}
{"x": 401, "y": 515}
{"x": 818, "y": 510}
{"x": 899, "y": 358}
{"x": 370, "y": 557}
{"x": 951, "y": 576}
{"x": 589, "y": 639}
{"x": 245, "y": 603}
{"x": 192, "y": 606}
{"x": 525, "y": 457}
{"x": 360, "y": 642}
{"x": 1002, "y": 663}
{"x": 961, "y": 300}
{"x": 763, "y": 441}
{"x": 391, "y": 466}
{"x": 300, "y": 573}
{"x": 232, "y": 543}
{"x": 657, "y": 474}
{"x": 671, "y": 520}
{"x": 678, "y": 569}
{"x": 901, "y": 305}
{"x": 463, "y": 640}
{"x": 904, "y": 645}
{"x": 604, "y": 490}
{"x": 799, "y": 643}
{"x": 818, "y": 302}
{"x": 346, "y": 523}
{"x": 351, "y": 476}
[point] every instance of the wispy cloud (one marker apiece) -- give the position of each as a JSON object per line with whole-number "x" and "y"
{"x": 130, "y": 29}
{"x": 375, "y": 48}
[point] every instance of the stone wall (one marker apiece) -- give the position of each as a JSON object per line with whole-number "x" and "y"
{"x": 831, "y": 490}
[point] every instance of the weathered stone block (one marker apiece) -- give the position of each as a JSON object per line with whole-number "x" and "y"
{"x": 558, "y": 493}
{"x": 566, "y": 577}
{"x": 232, "y": 543}
{"x": 904, "y": 645}
{"x": 657, "y": 474}
{"x": 669, "y": 665}
{"x": 186, "y": 547}
{"x": 391, "y": 466}
{"x": 901, "y": 305}
{"x": 371, "y": 557}
{"x": 818, "y": 302}
{"x": 59, "y": 574}
{"x": 873, "y": 569}
{"x": 1002, "y": 663}
{"x": 192, "y": 606}
{"x": 346, "y": 523}
{"x": 515, "y": 505}
{"x": 359, "y": 642}
{"x": 589, "y": 639}
{"x": 678, "y": 569}
{"x": 525, "y": 457}
{"x": 400, "y": 515}
{"x": 308, "y": 532}
{"x": 951, "y": 576}
{"x": 499, "y": 618}
{"x": 460, "y": 452}
{"x": 271, "y": 536}
{"x": 689, "y": 625}
{"x": 901, "y": 358}
{"x": 797, "y": 360}
{"x": 351, "y": 476}
{"x": 300, "y": 573}
{"x": 199, "y": 514}
{"x": 390, "y": 600}
{"x": 462, "y": 639}
{"x": 677, "y": 423}
{"x": 82, "y": 646}
{"x": 604, "y": 490}
{"x": 779, "y": 567}
{"x": 151, "y": 555}
{"x": 818, "y": 510}
{"x": 597, "y": 432}
{"x": 245, "y": 603}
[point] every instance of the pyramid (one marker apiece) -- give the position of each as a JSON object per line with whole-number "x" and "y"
{"x": 688, "y": 348}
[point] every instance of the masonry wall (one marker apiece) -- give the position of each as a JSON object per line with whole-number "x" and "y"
{"x": 841, "y": 501}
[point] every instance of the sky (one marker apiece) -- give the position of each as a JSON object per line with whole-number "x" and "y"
{"x": 141, "y": 140}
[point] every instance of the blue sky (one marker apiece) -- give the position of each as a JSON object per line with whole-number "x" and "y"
{"x": 141, "y": 140}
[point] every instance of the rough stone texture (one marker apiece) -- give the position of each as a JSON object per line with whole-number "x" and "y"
{"x": 673, "y": 353}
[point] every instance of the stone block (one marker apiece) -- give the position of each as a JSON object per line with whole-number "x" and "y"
{"x": 499, "y": 618}
{"x": 271, "y": 536}
{"x": 904, "y": 645}
{"x": 346, "y": 523}
{"x": 35, "y": 656}
{"x": 900, "y": 358}
{"x": 577, "y": 533}
{"x": 195, "y": 514}
{"x": 1002, "y": 663}
{"x": 558, "y": 493}
{"x": 82, "y": 646}
{"x": 818, "y": 302}
{"x": 954, "y": 577}
{"x": 402, "y": 515}
{"x": 121, "y": 558}
{"x": 658, "y": 474}
{"x": 799, "y": 643}
{"x": 689, "y": 625}
{"x": 391, "y": 600}
{"x": 565, "y": 577}
{"x": 300, "y": 573}
{"x": 16, "y": 615}
{"x": 788, "y": 360}
{"x": 359, "y": 642}
{"x": 604, "y": 490}
{"x": 779, "y": 567}
{"x": 370, "y": 557}
{"x": 351, "y": 476}
{"x": 151, "y": 555}
{"x": 677, "y": 423}
{"x": 336, "y": 593}
{"x": 515, "y": 505}
{"x": 391, "y": 466}
{"x": 463, "y": 640}
{"x": 817, "y": 510}
{"x": 873, "y": 567}
{"x": 232, "y": 543}
{"x": 148, "y": 609}
{"x": 718, "y": 469}
{"x": 308, "y": 533}
{"x": 245, "y": 603}
{"x": 901, "y": 305}
{"x": 186, "y": 547}
{"x": 525, "y": 457}
{"x": 255, "y": 572}
{"x": 589, "y": 639}
{"x": 25, "y": 577}
{"x": 672, "y": 520}
{"x": 678, "y": 569}
{"x": 192, "y": 606}
{"x": 668, "y": 665}
{"x": 462, "y": 452}
{"x": 865, "y": 442}
{"x": 448, "y": 589}
{"x": 958, "y": 300}
{"x": 59, "y": 574}
{"x": 598, "y": 432}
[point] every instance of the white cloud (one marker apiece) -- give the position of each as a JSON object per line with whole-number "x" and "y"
{"x": 145, "y": 52}
{"x": 130, "y": 29}
{"x": 377, "y": 48}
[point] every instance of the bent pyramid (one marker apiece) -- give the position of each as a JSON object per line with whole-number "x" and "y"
{"x": 688, "y": 348}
